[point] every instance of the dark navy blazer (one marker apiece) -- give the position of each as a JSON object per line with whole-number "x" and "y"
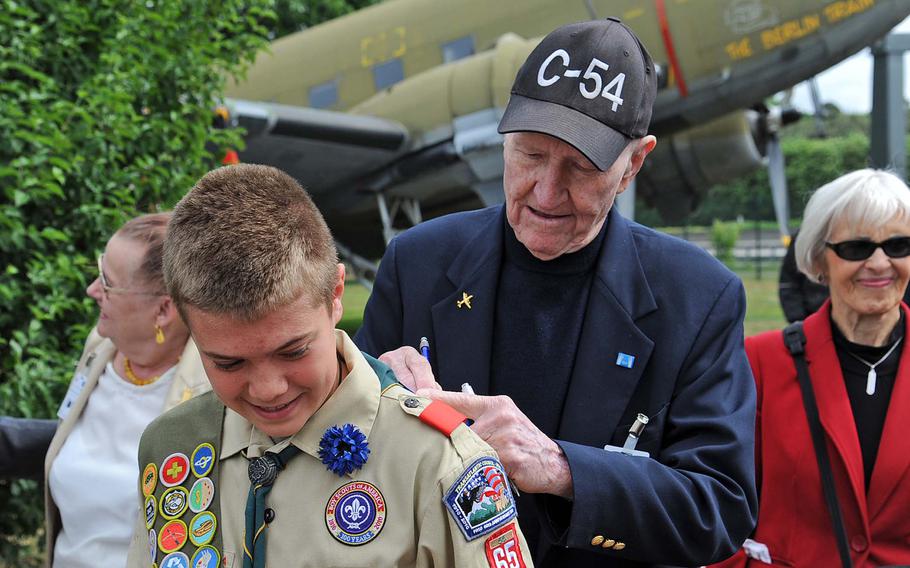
{"x": 668, "y": 304}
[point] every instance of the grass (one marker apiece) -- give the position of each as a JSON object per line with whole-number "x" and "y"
{"x": 763, "y": 310}
{"x": 354, "y": 301}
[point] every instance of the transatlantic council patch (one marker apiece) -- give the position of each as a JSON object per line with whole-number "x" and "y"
{"x": 481, "y": 499}
{"x": 355, "y": 513}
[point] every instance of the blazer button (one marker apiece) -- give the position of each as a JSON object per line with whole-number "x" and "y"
{"x": 268, "y": 515}
{"x": 619, "y": 546}
{"x": 608, "y": 543}
{"x": 597, "y": 540}
{"x": 859, "y": 543}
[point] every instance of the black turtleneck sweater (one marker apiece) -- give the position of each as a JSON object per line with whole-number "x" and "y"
{"x": 540, "y": 307}
{"x": 869, "y": 411}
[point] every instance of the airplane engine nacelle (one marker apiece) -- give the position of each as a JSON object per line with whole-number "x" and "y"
{"x": 684, "y": 166}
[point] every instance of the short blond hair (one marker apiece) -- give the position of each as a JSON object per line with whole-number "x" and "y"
{"x": 246, "y": 240}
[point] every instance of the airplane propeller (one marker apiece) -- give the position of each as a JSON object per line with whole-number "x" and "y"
{"x": 769, "y": 123}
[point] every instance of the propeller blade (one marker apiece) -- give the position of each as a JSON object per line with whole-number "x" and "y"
{"x": 777, "y": 177}
{"x": 817, "y": 108}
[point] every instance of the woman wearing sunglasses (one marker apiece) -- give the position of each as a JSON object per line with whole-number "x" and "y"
{"x": 138, "y": 362}
{"x": 855, "y": 238}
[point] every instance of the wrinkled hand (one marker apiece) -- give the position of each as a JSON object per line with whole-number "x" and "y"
{"x": 534, "y": 462}
{"x": 410, "y": 368}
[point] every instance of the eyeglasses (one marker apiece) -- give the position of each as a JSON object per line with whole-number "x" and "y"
{"x": 108, "y": 289}
{"x": 895, "y": 247}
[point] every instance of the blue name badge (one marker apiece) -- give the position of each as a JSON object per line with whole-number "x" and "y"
{"x": 625, "y": 360}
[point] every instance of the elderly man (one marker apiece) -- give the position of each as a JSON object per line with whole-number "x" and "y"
{"x": 575, "y": 326}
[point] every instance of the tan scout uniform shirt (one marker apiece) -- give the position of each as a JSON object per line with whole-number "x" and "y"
{"x": 411, "y": 464}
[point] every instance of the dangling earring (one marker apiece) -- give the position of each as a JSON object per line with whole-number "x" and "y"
{"x": 159, "y": 334}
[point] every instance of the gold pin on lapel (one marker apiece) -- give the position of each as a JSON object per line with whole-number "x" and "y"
{"x": 465, "y": 300}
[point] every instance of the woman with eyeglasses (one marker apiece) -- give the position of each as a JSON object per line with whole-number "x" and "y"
{"x": 138, "y": 362}
{"x": 855, "y": 238}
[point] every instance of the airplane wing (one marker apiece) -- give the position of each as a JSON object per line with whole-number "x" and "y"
{"x": 322, "y": 149}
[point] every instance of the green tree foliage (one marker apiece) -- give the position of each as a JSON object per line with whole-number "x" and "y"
{"x": 810, "y": 163}
{"x": 105, "y": 112}
{"x": 724, "y": 235}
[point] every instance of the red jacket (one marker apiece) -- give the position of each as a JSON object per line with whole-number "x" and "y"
{"x": 793, "y": 519}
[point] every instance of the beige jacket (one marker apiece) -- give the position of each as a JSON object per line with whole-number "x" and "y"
{"x": 189, "y": 381}
{"x": 402, "y": 487}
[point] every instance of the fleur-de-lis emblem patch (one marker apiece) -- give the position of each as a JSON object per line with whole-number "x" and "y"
{"x": 465, "y": 301}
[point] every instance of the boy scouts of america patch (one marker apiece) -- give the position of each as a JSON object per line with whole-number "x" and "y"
{"x": 481, "y": 499}
{"x": 355, "y": 513}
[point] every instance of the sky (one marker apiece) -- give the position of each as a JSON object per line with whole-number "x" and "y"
{"x": 849, "y": 83}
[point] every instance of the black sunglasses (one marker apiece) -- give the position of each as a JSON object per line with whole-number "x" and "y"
{"x": 895, "y": 247}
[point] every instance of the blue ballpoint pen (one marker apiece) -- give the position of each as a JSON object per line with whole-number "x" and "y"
{"x": 425, "y": 348}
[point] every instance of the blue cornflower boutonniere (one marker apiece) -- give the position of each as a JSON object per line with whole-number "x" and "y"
{"x": 343, "y": 449}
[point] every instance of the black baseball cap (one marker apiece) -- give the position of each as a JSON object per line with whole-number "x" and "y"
{"x": 590, "y": 84}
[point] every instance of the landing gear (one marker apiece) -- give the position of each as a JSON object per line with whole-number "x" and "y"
{"x": 409, "y": 206}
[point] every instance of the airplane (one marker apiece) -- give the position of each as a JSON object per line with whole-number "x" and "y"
{"x": 388, "y": 115}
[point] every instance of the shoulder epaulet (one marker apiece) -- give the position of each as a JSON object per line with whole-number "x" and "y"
{"x": 437, "y": 414}
{"x": 434, "y": 413}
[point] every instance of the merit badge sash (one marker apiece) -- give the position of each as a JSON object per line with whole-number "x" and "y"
{"x": 181, "y": 509}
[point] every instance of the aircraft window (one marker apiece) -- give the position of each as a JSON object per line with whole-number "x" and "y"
{"x": 458, "y": 49}
{"x": 324, "y": 95}
{"x": 388, "y": 73}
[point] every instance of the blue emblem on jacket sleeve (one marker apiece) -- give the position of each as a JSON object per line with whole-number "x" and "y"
{"x": 481, "y": 500}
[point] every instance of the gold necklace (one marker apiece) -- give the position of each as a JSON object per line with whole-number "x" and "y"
{"x": 131, "y": 376}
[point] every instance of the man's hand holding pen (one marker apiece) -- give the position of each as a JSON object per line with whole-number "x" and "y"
{"x": 411, "y": 368}
{"x": 533, "y": 462}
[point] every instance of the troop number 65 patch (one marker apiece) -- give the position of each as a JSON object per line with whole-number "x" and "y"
{"x": 503, "y": 548}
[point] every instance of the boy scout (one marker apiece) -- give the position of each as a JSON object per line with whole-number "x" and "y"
{"x": 311, "y": 454}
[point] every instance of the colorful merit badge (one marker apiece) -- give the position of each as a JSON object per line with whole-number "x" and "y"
{"x": 172, "y": 536}
{"x": 206, "y": 557}
{"x": 175, "y": 469}
{"x": 149, "y": 479}
{"x": 151, "y": 511}
{"x": 343, "y": 449}
{"x": 201, "y": 494}
{"x": 203, "y": 459}
{"x": 153, "y": 545}
{"x": 355, "y": 513}
{"x": 173, "y": 502}
{"x": 504, "y": 549}
{"x": 202, "y": 528}
{"x": 175, "y": 560}
{"x": 481, "y": 500}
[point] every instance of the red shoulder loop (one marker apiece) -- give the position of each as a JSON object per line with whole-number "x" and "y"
{"x": 443, "y": 417}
